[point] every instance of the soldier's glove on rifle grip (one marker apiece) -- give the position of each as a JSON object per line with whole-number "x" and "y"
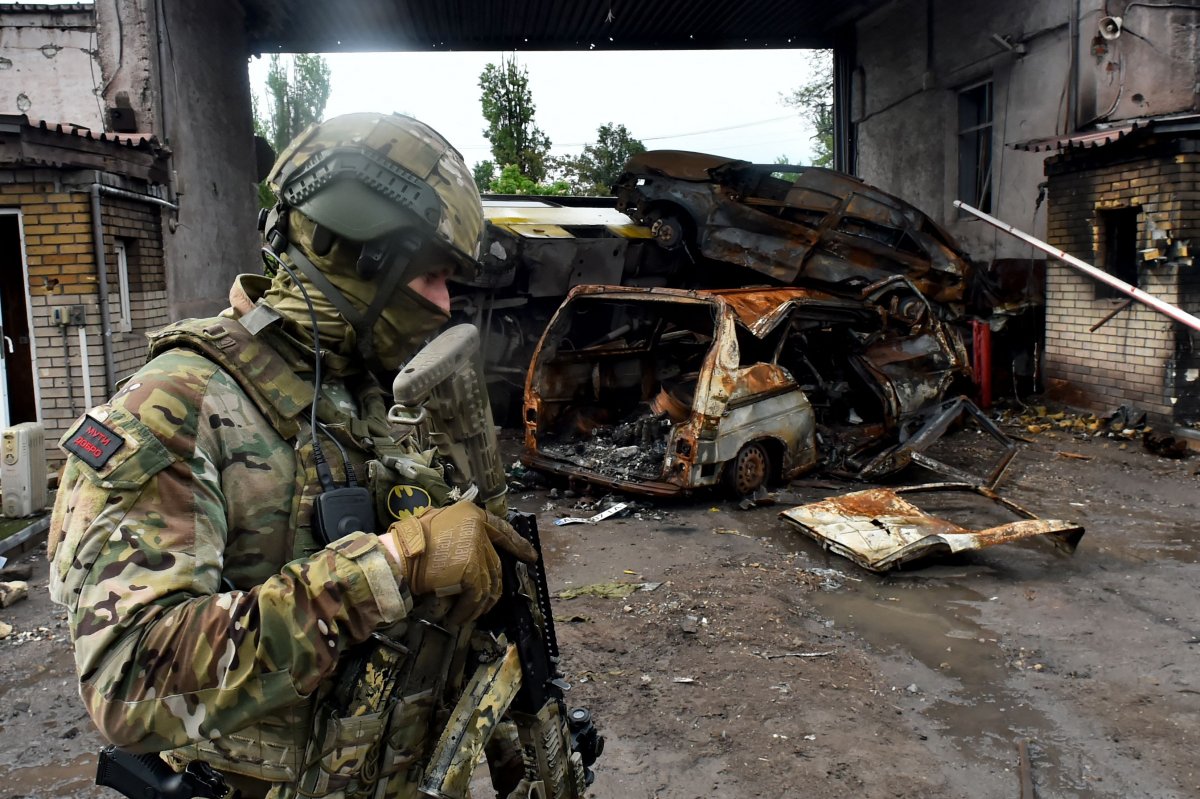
{"x": 449, "y": 552}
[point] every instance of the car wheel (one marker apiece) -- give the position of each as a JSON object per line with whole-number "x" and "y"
{"x": 749, "y": 470}
{"x": 668, "y": 232}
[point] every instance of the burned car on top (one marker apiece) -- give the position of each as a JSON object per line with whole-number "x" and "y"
{"x": 794, "y": 224}
{"x": 661, "y": 391}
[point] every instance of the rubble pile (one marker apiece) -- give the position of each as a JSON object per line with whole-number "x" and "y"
{"x": 634, "y": 448}
{"x": 1123, "y": 423}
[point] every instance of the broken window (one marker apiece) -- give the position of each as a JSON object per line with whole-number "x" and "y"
{"x": 975, "y": 145}
{"x": 1118, "y": 255}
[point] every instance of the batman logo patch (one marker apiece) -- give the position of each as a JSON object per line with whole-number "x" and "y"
{"x": 405, "y": 500}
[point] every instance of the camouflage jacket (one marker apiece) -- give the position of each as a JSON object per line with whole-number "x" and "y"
{"x": 199, "y": 601}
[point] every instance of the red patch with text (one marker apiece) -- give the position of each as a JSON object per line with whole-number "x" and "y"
{"x": 94, "y": 443}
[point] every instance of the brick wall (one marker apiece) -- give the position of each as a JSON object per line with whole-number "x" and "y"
{"x": 57, "y": 228}
{"x": 1131, "y": 359}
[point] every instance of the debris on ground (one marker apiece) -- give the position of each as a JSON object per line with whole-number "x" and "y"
{"x": 879, "y": 529}
{"x": 1123, "y": 422}
{"x": 1165, "y": 445}
{"x": 599, "y": 517}
{"x": 615, "y": 590}
{"x": 13, "y": 592}
{"x": 16, "y": 571}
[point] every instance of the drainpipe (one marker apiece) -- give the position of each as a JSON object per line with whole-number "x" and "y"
{"x": 102, "y": 266}
{"x": 135, "y": 197}
{"x": 1073, "y": 68}
{"x": 102, "y": 281}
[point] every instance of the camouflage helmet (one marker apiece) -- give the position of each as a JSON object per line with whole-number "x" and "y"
{"x": 369, "y": 177}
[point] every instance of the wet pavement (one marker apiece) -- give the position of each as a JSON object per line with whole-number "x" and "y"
{"x": 926, "y": 680}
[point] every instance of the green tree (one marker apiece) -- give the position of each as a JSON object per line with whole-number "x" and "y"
{"x": 485, "y": 173}
{"x": 814, "y": 101}
{"x": 509, "y": 110}
{"x": 511, "y": 181}
{"x": 600, "y": 164}
{"x": 296, "y": 92}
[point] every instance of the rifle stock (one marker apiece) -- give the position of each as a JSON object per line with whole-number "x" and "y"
{"x": 444, "y": 386}
{"x": 445, "y": 382}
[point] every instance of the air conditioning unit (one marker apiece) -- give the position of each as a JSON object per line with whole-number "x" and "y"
{"x": 23, "y": 469}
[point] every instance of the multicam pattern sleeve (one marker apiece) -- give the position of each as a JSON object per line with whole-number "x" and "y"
{"x": 165, "y": 655}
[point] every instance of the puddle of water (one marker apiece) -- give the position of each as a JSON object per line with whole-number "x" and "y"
{"x": 41, "y": 673}
{"x": 937, "y": 624}
{"x": 1175, "y": 549}
{"x": 77, "y": 777}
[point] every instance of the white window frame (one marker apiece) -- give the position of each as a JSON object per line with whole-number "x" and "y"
{"x": 125, "y": 314}
{"x": 980, "y": 172}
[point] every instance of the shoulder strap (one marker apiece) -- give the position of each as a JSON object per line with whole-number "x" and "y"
{"x": 276, "y": 390}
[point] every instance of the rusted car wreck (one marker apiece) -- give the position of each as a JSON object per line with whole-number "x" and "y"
{"x": 661, "y": 391}
{"x": 793, "y": 224}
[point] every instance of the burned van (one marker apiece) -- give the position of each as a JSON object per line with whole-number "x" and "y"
{"x": 661, "y": 391}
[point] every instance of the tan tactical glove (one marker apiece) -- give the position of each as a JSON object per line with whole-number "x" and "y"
{"x": 449, "y": 552}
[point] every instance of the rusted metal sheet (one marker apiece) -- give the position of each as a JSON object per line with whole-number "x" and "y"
{"x": 790, "y": 222}
{"x": 880, "y": 529}
{"x": 760, "y": 310}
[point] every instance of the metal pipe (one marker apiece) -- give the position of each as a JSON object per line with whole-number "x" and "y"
{"x": 136, "y": 197}
{"x": 1072, "y": 68}
{"x": 1163, "y": 307}
{"x": 102, "y": 285}
{"x": 64, "y": 328}
{"x": 85, "y": 367}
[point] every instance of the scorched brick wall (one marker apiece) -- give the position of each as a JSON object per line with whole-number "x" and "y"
{"x": 1130, "y": 360}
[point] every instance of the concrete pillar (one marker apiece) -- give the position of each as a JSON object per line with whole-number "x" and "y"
{"x": 181, "y": 67}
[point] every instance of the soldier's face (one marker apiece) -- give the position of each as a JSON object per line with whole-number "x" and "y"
{"x": 433, "y": 287}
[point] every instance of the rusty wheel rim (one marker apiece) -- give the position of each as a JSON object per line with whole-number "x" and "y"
{"x": 667, "y": 231}
{"x": 749, "y": 469}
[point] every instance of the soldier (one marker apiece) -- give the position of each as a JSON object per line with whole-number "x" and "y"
{"x": 217, "y": 601}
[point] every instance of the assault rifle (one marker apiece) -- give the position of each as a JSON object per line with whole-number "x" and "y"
{"x": 517, "y": 677}
{"x": 146, "y": 776}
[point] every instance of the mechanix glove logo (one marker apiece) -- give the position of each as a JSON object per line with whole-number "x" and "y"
{"x": 93, "y": 442}
{"x": 404, "y": 501}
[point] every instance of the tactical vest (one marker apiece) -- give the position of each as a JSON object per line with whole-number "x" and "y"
{"x": 366, "y": 732}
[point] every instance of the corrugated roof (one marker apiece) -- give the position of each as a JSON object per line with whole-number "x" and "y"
{"x": 64, "y": 146}
{"x": 1082, "y": 141}
{"x": 41, "y": 8}
{"x": 143, "y": 141}
{"x": 1110, "y": 133}
{"x": 365, "y": 25}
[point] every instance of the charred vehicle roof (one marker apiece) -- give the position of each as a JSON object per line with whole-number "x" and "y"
{"x": 660, "y": 391}
{"x": 792, "y": 223}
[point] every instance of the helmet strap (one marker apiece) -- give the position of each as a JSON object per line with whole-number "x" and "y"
{"x": 363, "y": 323}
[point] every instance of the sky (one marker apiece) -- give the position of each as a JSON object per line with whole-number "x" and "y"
{"x": 721, "y": 102}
